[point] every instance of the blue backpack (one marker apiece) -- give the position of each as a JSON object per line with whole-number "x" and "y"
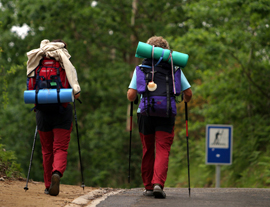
{"x": 160, "y": 101}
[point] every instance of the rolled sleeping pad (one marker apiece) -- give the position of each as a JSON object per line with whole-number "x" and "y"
{"x": 46, "y": 96}
{"x": 144, "y": 50}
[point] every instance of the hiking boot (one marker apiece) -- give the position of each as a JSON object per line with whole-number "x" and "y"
{"x": 148, "y": 193}
{"x": 46, "y": 191}
{"x": 54, "y": 188}
{"x": 158, "y": 192}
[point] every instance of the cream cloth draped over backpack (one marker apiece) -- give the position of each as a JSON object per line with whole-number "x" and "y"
{"x": 57, "y": 51}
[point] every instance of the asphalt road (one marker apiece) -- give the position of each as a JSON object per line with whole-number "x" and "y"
{"x": 201, "y": 197}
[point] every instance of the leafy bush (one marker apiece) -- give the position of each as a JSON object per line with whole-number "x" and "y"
{"x": 8, "y": 165}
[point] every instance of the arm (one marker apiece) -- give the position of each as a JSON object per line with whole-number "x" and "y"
{"x": 132, "y": 91}
{"x": 187, "y": 95}
{"x": 131, "y": 94}
{"x": 76, "y": 96}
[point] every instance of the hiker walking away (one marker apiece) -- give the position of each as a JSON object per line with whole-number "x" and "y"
{"x": 49, "y": 67}
{"x": 156, "y": 128}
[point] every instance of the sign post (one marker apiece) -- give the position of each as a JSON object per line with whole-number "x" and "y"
{"x": 219, "y": 140}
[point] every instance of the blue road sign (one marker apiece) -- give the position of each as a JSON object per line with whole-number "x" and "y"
{"x": 219, "y": 140}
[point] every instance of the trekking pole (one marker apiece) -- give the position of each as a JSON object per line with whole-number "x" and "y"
{"x": 130, "y": 135}
{"x": 31, "y": 158}
{"x": 186, "y": 111}
{"x": 75, "y": 116}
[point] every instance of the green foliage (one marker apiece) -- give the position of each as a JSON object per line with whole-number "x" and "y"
{"x": 228, "y": 56}
{"x": 8, "y": 165}
{"x": 228, "y": 68}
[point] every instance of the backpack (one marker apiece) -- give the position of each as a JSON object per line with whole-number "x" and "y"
{"x": 50, "y": 75}
{"x": 160, "y": 102}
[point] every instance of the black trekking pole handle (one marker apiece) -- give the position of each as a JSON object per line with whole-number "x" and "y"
{"x": 78, "y": 139}
{"x": 130, "y": 135}
{"x": 186, "y": 112}
{"x": 31, "y": 158}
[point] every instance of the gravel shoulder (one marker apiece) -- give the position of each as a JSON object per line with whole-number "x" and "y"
{"x": 12, "y": 193}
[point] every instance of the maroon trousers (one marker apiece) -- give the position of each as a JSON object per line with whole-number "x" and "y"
{"x": 54, "y": 130}
{"x": 157, "y": 135}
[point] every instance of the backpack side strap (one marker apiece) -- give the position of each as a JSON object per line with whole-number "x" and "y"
{"x": 169, "y": 107}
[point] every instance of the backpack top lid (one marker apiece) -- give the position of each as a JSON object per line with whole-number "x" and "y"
{"x": 50, "y": 62}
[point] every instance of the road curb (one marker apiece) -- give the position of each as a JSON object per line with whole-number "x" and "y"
{"x": 93, "y": 198}
{"x": 97, "y": 201}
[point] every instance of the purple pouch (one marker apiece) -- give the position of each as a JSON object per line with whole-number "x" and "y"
{"x": 159, "y": 107}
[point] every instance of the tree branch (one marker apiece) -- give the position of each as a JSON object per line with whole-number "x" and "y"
{"x": 249, "y": 76}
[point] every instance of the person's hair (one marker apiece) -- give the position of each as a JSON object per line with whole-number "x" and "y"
{"x": 59, "y": 40}
{"x": 158, "y": 41}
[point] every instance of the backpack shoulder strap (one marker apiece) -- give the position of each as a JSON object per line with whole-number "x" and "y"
{"x": 145, "y": 66}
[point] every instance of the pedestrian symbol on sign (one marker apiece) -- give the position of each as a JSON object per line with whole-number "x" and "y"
{"x": 219, "y": 138}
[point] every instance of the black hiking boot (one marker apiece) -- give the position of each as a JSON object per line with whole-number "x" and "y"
{"x": 46, "y": 191}
{"x": 158, "y": 192}
{"x": 148, "y": 193}
{"x": 55, "y": 184}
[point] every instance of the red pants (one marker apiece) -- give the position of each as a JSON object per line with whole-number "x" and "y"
{"x": 157, "y": 135}
{"x": 54, "y": 151}
{"x": 54, "y": 131}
